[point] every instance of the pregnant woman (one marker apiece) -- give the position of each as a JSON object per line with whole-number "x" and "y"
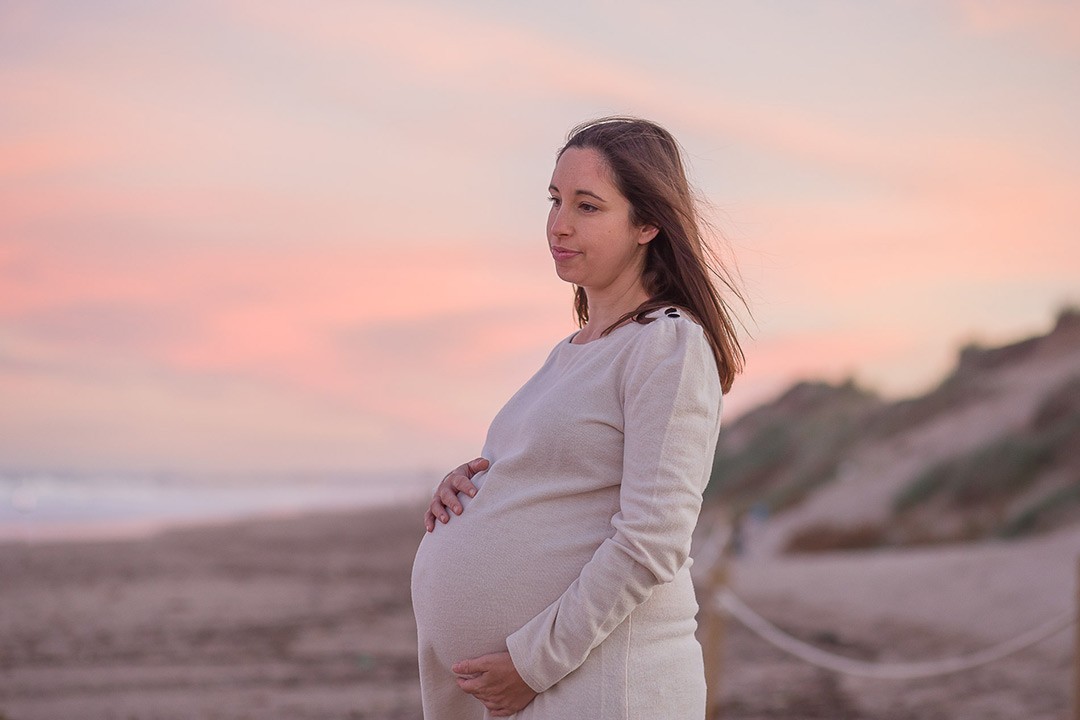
{"x": 562, "y": 591}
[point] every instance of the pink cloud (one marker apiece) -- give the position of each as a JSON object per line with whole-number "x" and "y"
{"x": 279, "y": 315}
{"x": 305, "y": 269}
{"x": 1046, "y": 23}
{"x": 41, "y": 152}
{"x": 365, "y": 336}
{"x": 834, "y": 354}
{"x": 436, "y": 46}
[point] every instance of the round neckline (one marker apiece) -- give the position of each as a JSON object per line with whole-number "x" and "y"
{"x": 655, "y": 314}
{"x": 570, "y": 340}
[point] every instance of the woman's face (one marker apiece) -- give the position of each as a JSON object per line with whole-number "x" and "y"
{"x": 592, "y": 239}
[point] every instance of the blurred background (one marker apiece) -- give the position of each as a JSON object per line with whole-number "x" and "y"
{"x": 270, "y": 236}
{"x": 264, "y": 257}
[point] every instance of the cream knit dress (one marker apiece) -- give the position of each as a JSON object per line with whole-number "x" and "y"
{"x": 574, "y": 553}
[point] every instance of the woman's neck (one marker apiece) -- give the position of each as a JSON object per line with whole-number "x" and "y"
{"x": 606, "y": 307}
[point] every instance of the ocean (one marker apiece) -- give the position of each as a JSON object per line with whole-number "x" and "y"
{"x": 40, "y": 506}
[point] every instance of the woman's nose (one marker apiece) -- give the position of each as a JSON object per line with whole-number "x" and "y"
{"x": 557, "y": 223}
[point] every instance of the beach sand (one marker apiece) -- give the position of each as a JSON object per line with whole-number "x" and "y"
{"x": 310, "y": 618}
{"x": 908, "y": 606}
{"x": 294, "y": 618}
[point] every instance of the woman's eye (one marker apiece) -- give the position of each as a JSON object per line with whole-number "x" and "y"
{"x": 588, "y": 208}
{"x": 554, "y": 201}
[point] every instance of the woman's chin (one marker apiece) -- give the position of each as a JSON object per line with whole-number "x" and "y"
{"x": 567, "y": 275}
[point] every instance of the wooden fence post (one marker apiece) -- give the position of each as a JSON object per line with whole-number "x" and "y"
{"x": 715, "y": 627}
{"x": 1076, "y": 652}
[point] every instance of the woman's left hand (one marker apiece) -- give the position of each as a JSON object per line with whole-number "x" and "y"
{"x": 494, "y": 681}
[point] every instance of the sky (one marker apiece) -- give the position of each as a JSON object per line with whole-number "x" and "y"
{"x": 280, "y": 236}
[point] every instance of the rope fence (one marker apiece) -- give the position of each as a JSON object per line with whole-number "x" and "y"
{"x": 721, "y": 603}
{"x": 730, "y": 603}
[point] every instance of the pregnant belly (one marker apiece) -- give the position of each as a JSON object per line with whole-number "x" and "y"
{"x": 487, "y": 572}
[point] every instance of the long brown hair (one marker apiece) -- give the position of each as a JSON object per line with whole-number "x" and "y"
{"x": 647, "y": 166}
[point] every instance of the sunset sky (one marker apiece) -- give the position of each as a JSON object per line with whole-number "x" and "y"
{"x": 277, "y": 236}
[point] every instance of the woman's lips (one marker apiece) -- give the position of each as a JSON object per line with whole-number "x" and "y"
{"x": 561, "y": 253}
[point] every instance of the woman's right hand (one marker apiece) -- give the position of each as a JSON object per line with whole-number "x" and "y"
{"x": 446, "y": 495}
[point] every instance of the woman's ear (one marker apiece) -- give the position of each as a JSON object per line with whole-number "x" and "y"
{"x": 646, "y": 233}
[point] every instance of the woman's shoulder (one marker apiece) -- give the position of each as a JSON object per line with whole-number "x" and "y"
{"x": 672, "y": 321}
{"x": 677, "y": 312}
{"x": 665, "y": 332}
{"x": 670, "y": 351}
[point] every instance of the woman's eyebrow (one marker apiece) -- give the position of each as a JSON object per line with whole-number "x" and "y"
{"x": 590, "y": 193}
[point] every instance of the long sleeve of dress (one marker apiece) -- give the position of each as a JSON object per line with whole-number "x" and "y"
{"x": 671, "y": 406}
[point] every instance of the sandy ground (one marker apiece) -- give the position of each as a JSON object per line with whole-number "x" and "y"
{"x": 310, "y": 618}
{"x": 908, "y": 606}
{"x": 304, "y": 618}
